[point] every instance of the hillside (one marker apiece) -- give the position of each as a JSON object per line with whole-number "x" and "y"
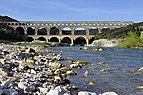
{"x": 7, "y": 19}
{"x": 121, "y": 33}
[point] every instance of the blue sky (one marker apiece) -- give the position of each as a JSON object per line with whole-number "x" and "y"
{"x": 73, "y": 10}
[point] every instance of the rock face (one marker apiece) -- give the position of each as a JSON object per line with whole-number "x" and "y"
{"x": 105, "y": 43}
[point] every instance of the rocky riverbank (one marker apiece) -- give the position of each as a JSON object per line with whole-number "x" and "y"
{"x": 37, "y": 71}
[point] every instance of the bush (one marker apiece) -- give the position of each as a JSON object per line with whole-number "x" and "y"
{"x": 132, "y": 40}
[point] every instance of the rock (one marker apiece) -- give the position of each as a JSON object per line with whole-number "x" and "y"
{"x": 86, "y": 73}
{"x": 70, "y": 59}
{"x": 109, "y": 93}
{"x": 91, "y": 83}
{"x": 140, "y": 69}
{"x": 86, "y": 93}
{"x": 66, "y": 94}
{"x": 10, "y": 92}
{"x": 44, "y": 90}
{"x": 23, "y": 64}
{"x": 55, "y": 64}
{"x": 4, "y": 72}
{"x": 29, "y": 50}
{"x": 58, "y": 91}
{"x": 101, "y": 62}
{"x": 22, "y": 85}
{"x": 64, "y": 69}
{"x": 82, "y": 62}
{"x": 83, "y": 93}
{"x": 104, "y": 70}
{"x": 70, "y": 73}
{"x": 54, "y": 92}
{"x": 33, "y": 71}
{"x": 139, "y": 87}
{"x": 75, "y": 66}
{"x": 36, "y": 58}
{"x": 2, "y": 61}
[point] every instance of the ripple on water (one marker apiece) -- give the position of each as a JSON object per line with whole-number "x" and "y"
{"x": 121, "y": 76}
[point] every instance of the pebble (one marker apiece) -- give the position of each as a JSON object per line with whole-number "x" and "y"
{"x": 27, "y": 71}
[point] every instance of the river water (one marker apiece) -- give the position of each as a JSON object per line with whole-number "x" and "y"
{"x": 122, "y": 76}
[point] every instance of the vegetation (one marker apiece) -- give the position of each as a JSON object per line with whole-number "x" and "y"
{"x": 132, "y": 41}
{"x": 7, "y": 19}
{"x": 7, "y": 33}
{"x": 34, "y": 44}
{"x": 120, "y": 33}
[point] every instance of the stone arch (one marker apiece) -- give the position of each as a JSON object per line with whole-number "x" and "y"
{"x": 41, "y": 39}
{"x": 91, "y": 40}
{"x": 93, "y": 31}
{"x": 66, "y": 31}
{"x": 30, "y": 39}
{"x": 30, "y": 31}
{"x": 80, "y": 41}
{"x": 54, "y": 31}
{"x": 10, "y": 29}
{"x": 80, "y": 31}
{"x": 42, "y": 31}
{"x": 54, "y": 39}
{"x": 106, "y": 29}
{"x": 66, "y": 40}
{"x": 20, "y": 30}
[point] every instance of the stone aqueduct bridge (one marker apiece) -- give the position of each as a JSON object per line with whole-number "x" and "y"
{"x": 71, "y": 32}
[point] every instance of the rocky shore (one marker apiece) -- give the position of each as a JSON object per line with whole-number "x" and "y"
{"x": 37, "y": 71}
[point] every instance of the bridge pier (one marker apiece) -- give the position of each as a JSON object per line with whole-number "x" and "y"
{"x": 99, "y": 29}
{"x": 48, "y": 30}
{"x": 72, "y": 40}
{"x": 87, "y": 42}
{"x": 36, "y": 31}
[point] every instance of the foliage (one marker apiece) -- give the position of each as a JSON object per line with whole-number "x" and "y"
{"x": 34, "y": 44}
{"x": 120, "y": 33}
{"x": 132, "y": 40}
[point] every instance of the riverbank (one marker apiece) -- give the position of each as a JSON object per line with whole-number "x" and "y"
{"x": 35, "y": 70}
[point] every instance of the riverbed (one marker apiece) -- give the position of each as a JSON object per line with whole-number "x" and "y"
{"x": 122, "y": 75}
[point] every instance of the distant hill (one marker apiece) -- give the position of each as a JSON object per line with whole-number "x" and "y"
{"x": 7, "y": 19}
{"x": 121, "y": 32}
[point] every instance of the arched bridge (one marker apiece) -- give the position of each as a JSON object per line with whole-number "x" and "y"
{"x": 71, "y": 32}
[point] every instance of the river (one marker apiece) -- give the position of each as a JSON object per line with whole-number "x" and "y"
{"x": 122, "y": 76}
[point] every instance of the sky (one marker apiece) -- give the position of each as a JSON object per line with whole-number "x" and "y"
{"x": 73, "y": 10}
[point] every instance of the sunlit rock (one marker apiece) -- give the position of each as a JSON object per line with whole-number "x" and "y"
{"x": 140, "y": 69}
{"x": 104, "y": 70}
{"x": 86, "y": 73}
{"x": 83, "y": 62}
{"x": 139, "y": 87}
{"x": 91, "y": 83}
{"x": 70, "y": 73}
{"x": 109, "y": 93}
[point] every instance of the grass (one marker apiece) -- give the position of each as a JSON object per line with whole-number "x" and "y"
{"x": 34, "y": 44}
{"x": 7, "y": 41}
